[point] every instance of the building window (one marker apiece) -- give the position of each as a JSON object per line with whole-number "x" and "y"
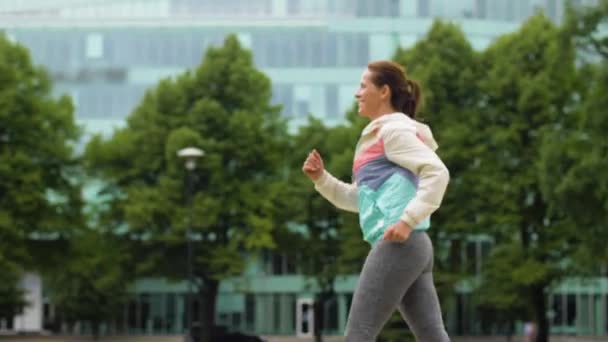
{"x": 157, "y": 313}
{"x": 424, "y": 8}
{"x": 552, "y": 9}
{"x": 310, "y": 49}
{"x": 94, "y": 46}
{"x": 480, "y": 8}
{"x": 132, "y": 316}
{"x": 571, "y": 309}
{"x": 144, "y": 311}
{"x": 293, "y": 7}
{"x": 280, "y": 264}
{"x": 276, "y": 299}
{"x": 330, "y": 319}
{"x": 557, "y": 308}
{"x": 283, "y": 94}
{"x": 302, "y": 108}
{"x": 331, "y": 101}
{"x": 250, "y": 312}
{"x": 236, "y": 320}
{"x": 302, "y": 95}
{"x": 6, "y": 324}
{"x": 170, "y": 312}
{"x": 510, "y": 11}
{"x": 330, "y": 57}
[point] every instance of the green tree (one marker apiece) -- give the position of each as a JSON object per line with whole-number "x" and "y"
{"x": 39, "y": 196}
{"x": 222, "y": 107}
{"x": 527, "y": 87}
{"x": 578, "y": 148}
{"x": 93, "y": 285}
{"x": 580, "y": 190}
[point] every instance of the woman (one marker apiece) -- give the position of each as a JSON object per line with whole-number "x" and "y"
{"x": 398, "y": 182}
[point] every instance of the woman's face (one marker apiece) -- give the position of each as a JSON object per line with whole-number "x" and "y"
{"x": 369, "y": 97}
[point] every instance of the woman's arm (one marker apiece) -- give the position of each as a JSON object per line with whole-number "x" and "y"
{"x": 340, "y": 194}
{"x": 403, "y": 147}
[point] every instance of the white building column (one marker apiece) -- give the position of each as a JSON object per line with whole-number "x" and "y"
{"x": 31, "y": 318}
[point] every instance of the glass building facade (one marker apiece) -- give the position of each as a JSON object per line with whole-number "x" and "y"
{"x": 105, "y": 54}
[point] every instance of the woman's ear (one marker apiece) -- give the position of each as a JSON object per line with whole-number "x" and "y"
{"x": 385, "y": 92}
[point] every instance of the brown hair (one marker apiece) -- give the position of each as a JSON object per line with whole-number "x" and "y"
{"x": 406, "y": 95}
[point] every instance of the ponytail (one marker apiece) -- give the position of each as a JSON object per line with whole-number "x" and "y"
{"x": 412, "y": 98}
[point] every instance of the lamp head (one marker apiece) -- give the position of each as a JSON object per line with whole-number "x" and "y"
{"x": 190, "y": 154}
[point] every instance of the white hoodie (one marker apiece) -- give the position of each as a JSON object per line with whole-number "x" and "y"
{"x": 397, "y": 176}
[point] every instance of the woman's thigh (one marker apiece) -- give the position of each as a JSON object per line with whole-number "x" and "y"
{"x": 389, "y": 270}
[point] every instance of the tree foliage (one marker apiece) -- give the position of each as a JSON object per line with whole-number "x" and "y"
{"x": 223, "y": 107}
{"x": 39, "y": 192}
{"x": 527, "y": 91}
{"x": 93, "y": 285}
{"x": 578, "y": 148}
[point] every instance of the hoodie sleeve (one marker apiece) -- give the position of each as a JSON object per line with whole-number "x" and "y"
{"x": 340, "y": 194}
{"x": 406, "y": 148}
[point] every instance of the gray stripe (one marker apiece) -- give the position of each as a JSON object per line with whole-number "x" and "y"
{"x": 376, "y": 172}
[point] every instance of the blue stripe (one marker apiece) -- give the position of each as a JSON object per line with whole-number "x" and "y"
{"x": 382, "y": 207}
{"x": 374, "y": 173}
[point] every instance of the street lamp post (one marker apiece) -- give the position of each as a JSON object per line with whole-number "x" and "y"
{"x": 190, "y": 155}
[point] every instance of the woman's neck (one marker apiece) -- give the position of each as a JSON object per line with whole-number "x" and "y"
{"x": 383, "y": 111}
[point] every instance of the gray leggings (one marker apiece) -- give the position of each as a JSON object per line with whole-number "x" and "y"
{"x": 397, "y": 275}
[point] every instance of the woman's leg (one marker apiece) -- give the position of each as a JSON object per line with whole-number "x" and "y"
{"x": 421, "y": 310}
{"x": 389, "y": 270}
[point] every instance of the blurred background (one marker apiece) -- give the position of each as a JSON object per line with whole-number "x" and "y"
{"x": 109, "y": 226}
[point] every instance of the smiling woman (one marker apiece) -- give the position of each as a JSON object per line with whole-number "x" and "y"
{"x": 380, "y": 76}
{"x": 399, "y": 183}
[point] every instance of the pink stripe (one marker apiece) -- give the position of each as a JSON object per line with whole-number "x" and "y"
{"x": 419, "y": 136}
{"x": 371, "y": 153}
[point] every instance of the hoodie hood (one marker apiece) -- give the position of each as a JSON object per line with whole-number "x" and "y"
{"x": 422, "y": 131}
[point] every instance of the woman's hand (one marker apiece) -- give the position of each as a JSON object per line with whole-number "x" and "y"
{"x": 313, "y": 165}
{"x": 398, "y": 232}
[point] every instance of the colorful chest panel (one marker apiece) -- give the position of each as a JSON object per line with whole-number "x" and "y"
{"x": 384, "y": 188}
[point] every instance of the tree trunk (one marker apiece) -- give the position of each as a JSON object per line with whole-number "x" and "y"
{"x": 318, "y": 311}
{"x": 207, "y": 297}
{"x": 540, "y": 310}
{"x": 95, "y": 329}
{"x": 319, "y": 307}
